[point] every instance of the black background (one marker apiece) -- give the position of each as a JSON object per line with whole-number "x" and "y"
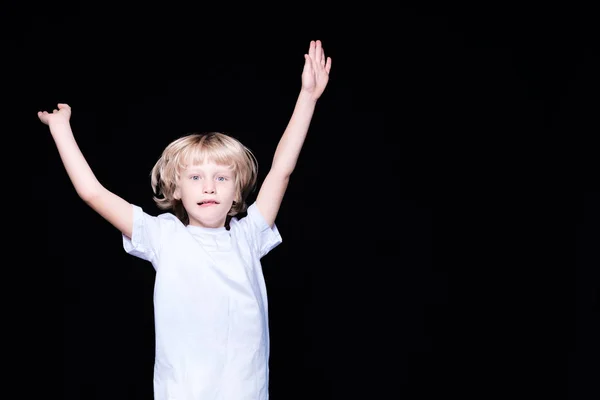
{"x": 482, "y": 117}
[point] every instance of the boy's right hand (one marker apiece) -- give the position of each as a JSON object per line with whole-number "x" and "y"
{"x": 63, "y": 113}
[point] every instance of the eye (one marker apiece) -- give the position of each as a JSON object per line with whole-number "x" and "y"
{"x": 195, "y": 177}
{"x": 221, "y": 179}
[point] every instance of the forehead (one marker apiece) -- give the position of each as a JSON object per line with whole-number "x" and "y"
{"x": 208, "y": 166}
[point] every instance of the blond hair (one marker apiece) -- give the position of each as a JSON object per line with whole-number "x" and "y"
{"x": 194, "y": 149}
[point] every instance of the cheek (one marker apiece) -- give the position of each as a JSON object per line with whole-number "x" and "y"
{"x": 231, "y": 196}
{"x": 186, "y": 192}
{"x": 234, "y": 193}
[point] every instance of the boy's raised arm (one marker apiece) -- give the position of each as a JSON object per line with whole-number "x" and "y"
{"x": 315, "y": 76}
{"x": 110, "y": 206}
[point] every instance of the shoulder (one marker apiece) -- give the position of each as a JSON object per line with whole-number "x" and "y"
{"x": 261, "y": 237}
{"x": 164, "y": 220}
{"x": 252, "y": 220}
{"x": 250, "y": 214}
{"x": 169, "y": 218}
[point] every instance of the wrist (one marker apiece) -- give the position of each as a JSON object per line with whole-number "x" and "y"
{"x": 59, "y": 128}
{"x": 59, "y": 123}
{"x": 307, "y": 96}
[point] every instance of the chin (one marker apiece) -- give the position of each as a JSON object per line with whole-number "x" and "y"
{"x": 215, "y": 222}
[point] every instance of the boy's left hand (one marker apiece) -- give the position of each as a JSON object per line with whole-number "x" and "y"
{"x": 315, "y": 74}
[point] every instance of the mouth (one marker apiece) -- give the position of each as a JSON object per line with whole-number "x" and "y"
{"x": 207, "y": 203}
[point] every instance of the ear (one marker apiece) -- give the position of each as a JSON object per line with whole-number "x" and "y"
{"x": 177, "y": 194}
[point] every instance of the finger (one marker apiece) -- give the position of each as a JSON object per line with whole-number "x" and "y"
{"x": 312, "y": 49}
{"x": 307, "y": 61}
{"x": 328, "y": 65}
{"x": 63, "y": 105}
{"x": 318, "y": 51}
{"x": 55, "y": 110}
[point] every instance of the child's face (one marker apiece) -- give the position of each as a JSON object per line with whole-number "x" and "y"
{"x": 207, "y": 192}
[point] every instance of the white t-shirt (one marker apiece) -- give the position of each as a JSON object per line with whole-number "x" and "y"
{"x": 210, "y": 305}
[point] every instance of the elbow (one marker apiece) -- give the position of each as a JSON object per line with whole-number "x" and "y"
{"x": 281, "y": 170}
{"x": 90, "y": 196}
{"x": 281, "y": 174}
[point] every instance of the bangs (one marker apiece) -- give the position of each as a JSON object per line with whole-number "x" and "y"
{"x": 208, "y": 151}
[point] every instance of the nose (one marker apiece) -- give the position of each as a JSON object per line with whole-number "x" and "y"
{"x": 209, "y": 188}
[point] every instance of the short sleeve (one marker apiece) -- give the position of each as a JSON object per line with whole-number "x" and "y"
{"x": 261, "y": 236}
{"x": 146, "y": 234}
